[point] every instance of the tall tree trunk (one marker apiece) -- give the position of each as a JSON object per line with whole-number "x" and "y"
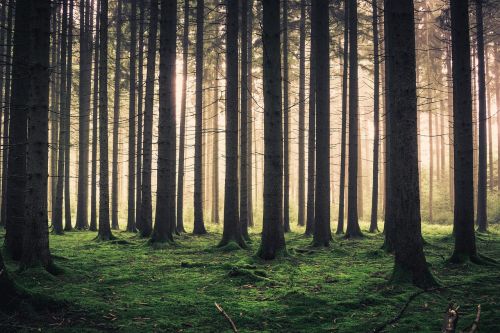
{"x": 410, "y": 264}
{"x": 199, "y": 225}
{"x": 104, "y": 225}
{"x": 36, "y": 235}
{"x": 182, "y": 130}
{"x": 67, "y": 123}
{"x": 482, "y": 219}
{"x": 95, "y": 105}
{"x": 250, "y": 117}
{"x": 343, "y": 138}
{"x": 131, "y": 119}
{"x": 353, "y": 229}
{"x": 3, "y": 59}
{"x": 215, "y": 148}
{"x": 147, "y": 154}
{"x": 286, "y": 125}
{"x": 449, "y": 89}
{"x": 244, "y": 142}
{"x": 376, "y": 111}
{"x": 57, "y": 213}
{"x": 497, "y": 95}
{"x": 84, "y": 116}
{"x": 232, "y": 225}
{"x": 491, "y": 182}
{"x": 6, "y": 115}
{"x": 429, "y": 101}
{"x": 273, "y": 238}
{"x": 116, "y": 118}
{"x": 165, "y": 195}
{"x": 322, "y": 233}
{"x": 302, "y": 110}
{"x": 140, "y": 100}
{"x": 463, "y": 222}
{"x": 311, "y": 149}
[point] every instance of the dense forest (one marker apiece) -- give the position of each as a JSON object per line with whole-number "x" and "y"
{"x": 250, "y": 166}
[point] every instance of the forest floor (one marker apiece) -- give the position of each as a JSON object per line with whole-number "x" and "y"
{"x": 132, "y": 287}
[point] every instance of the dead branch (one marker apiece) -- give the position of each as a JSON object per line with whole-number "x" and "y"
{"x": 450, "y": 319}
{"x": 475, "y": 324}
{"x": 221, "y": 310}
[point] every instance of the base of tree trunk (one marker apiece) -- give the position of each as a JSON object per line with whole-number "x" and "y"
{"x": 271, "y": 253}
{"x": 478, "y": 259}
{"x": 105, "y": 237}
{"x": 181, "y": 230}
{"x": 320, "y": 243}
{"x": 200, "y": 231}
{"x": 159, "y": 244}
{"x": 421, "y": 278}
{"x": 353, "y": 235}
{"x": 231, "y": 244}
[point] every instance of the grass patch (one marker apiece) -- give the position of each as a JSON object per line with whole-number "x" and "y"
{"x": 173, "y": 288}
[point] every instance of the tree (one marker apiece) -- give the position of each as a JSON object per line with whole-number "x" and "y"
{"x": 199, "y": 225}
{"x": 104, "y": 233}
{"x": 376, "y": 110}
{"x": 165, "y": 196}
{"x": 273, "y": 237}
{"x": 482, "y": 219}
{"x": 463, "y": 220}
{"x": 140, "y": 101}
{"x": 215, "y": 148}
{"x": 343, "y": 133}
{"x": 410, "y": 264}
{"x": 322, "y": 233}
{"x": 182, "y": 130}
{"x": 84, "y": 116}
{"x": 57, "y": 211}
{"x": 302, "y": 110}
{"x": 232, "y": 225}
{"x": 131, "y": 119}
{"x": 69, "y": 81}
{"x": 311, "y": 145}
{"x": 146, "y": 224}
{"x": 353, "y": 230}
{"x": 286, "y": 123}
{"x": 36, "y": 236}
{"x": 95, "y": 105}
{"x": 250, "y": 117}
{"x": 116, "y": 118}
{"x": 244, "y": 143}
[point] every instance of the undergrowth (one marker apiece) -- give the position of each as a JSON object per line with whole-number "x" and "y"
{"x": 131, "y": 287}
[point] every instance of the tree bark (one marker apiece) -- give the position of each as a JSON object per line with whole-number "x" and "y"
{"x": 482, "y": 218}
{"x": 302, "y": 109}
{"x": 250, "y": 117}
{"x": 376, "y": 122}
{"x": 182, "y": 130}
{"x": 147, "y": 155}
{"x": 353, "y": 229}
{"x": 116, "y": 118}
{"x": 463, "y": 222}
{"x": 232, "y": 226}
{"x": 104, "y": 233}
{"x": 140, "y": 115}
{"x": 410, "y": 264}
{"x": 131, "y": 119}
{"x": 199, "y": 225}
{"x": 286, "y": 125}
{"x": 165, "y": 195}
{"x": 273, "y": 238}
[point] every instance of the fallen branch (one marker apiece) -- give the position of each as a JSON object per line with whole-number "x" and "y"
{"x": 221, "y": 310}
{"x": 475, "y": 324}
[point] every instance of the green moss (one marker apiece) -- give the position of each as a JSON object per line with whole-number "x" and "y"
{"x": 343, "y": 288}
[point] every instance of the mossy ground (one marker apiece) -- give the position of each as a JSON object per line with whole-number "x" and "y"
{"x": 135, "y": 288}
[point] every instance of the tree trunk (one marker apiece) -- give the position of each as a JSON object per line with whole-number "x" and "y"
{"x": 404, "y": 198}
{"x": 286, "y": 125}
{"x": 232, "y": 226}
{"x": 95, "y": 104}
{"x": 491, "y": 182}
{"x": 57, "y": 213}
{"x": 273, "y": 238}
{"x": 482, "y": 219}
{"x": 215, "y": 148}
{"x": 67, "y": 123}
{"x": 353, "y": 229}
{"x": 104, "y": 225}
{"x": 147, "y": 154}
{"x": 302, "y": 109}
{"x": 463, "y": 222}
{"x": 199, "y": 226}
{"x": 449, "y": 90}
{"x": 131, "y": 119}
{"x": 182, "y": 130}
{"x": 84, "y": 116}
{"x": 165, "y": 195}
{"x": 6, "y": 116}
{"x": 116, "y": 118}
{"x": 311, "y": 165}
{"x": 140, "y": 100}
{"x": 497, "y": 95}
{"x": 343, "y": 143}
{"x": 250, "y": 121}
{"x": 376, "y": 111}
{"x": 244, "y": 142}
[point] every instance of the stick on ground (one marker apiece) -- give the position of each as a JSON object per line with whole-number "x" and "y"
{"x": 221, "y": 310}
